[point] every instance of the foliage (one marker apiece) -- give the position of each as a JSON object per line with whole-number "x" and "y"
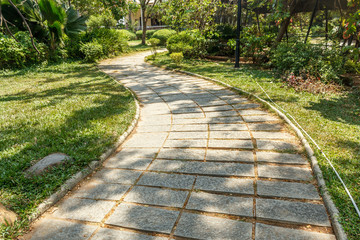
{"x": 149, "y": 34}
{"x": 92, "y": 51}
{"x": 49, "y": 21}
{"x": 190, "y": 43}
{"x": 163, "y": 35}
{"x": 177, "y": 57}
{"x": 113, "y": 41}
{"x": 101, "y": 21}
{"x": 300, "y": 58}
{"x": 154, "y": 43}
{"x": 190, "y": 14}
{"x": 129, "y": 35}
{"x": 18, "y": 54}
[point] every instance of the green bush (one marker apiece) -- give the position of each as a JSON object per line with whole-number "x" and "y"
{"x": 149, "y": 34}
{"x": 191, "y": 44}
{"x": 300, "y": 58}
{"x": 92, "y": 51}
{"x": 130, "y": 35}
{"x": 113, "y": 41}
{"x": 163, "y": 35}
{"x": 177, "y": 57}
{"x": 15, "y": 54}
{"x": 101, "y": 21}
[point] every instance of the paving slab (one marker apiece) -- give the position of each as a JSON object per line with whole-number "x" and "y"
{"x": 228, "y": 155}
{"x": 192, "y": 127}
{"x": 83, "y": 209}
{"x": 265, "y": 126}
{"x": 273, "y": 135}
{"x": 133, "y": 153}
{"x": 198, "y": 226}
{"x": 111, "y": 234}
{"x": 188, "y": 135}
{"x": 227, "y": 185}
{"x": 246, "y": 106}
{"x": 209, "y": 202}
{"x": 146, "y": 140}
{"x": 292, "y": 212}
{"x": 143, "y": 218}
{"x": 275, "y": 145}
{"x": 240, "y": 144}
{"x": 228, "y": 127}
{"x": 117, "y": 176}
{"x": 53, "y": 229}
{"x": 262, "y": 118}
{"x": 129, "y": 163}
{"x": 100, "y": 190}
{"x": 286, "y": 158}
{"x": 194, "y": 143}
{"x": 230, "y": 135}
{"x": 167, "y": 180}
{"x": 205, "y": 168}
{"x": 157, "y": 196}
{"x": 287, "y": 190}
{"x": 267, "y": 232}
{"x": 190, "y": 154}
{"x": 282, "y": 172}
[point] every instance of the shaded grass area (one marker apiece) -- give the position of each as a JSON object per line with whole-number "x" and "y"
{"x": 68, "y": 107}
{"x": 136, "y": 46}
{"x": 333, "y": 120}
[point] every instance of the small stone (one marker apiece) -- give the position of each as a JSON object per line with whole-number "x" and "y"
{"x": 267, "y": 232}
{"x": 47, "y": 162}
{"x": 196, "y": 226}
{"x": 143, "y": 218}
{"x": 7, "y": 217}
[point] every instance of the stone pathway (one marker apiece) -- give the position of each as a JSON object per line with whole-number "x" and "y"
{"x": 204, "y": 163}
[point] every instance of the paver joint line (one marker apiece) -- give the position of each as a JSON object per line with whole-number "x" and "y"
{"x": 204, "y": 163}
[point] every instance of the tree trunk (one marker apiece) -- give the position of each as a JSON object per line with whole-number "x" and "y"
{"x": 285, "y": 24}
{"x": 143, "y": 38}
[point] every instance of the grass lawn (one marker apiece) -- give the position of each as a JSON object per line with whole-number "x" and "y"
{"x": 333, "y": 120}
{"x": 136, "y": 46}
{"x": 68, "y": 107}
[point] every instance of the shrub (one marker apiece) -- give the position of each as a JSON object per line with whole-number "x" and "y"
{"x": 163, "y": 35}
{"x": 191, "y": 44}
{"x": 17, "y": 54}
{"x": 112, "y": 41}
{"x": 128, "y": 34}
{"x": 101, "y": 21}
{"x": 154, "y": 42}
{"x": 149, "y": 34}
{"x": 177, "y": 57}
{"x": 300, "y": 58}
{"x": 92, "y": 51}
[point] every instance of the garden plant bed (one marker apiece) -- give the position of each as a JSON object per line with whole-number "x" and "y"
{"x": 332, "y": 119}
{"x": 68, "y": 107}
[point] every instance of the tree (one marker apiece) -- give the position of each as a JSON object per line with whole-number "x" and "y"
{"x": 145, "y": 7}
{"x": 44, "y": 19}
{"x": 193, "y": 14}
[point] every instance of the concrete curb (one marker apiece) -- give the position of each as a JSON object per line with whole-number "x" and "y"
{"x": 78, "y": 177}
{"x": 332, "y": 210}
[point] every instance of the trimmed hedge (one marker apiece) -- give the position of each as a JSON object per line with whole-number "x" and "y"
{"x": 163, "y": 35}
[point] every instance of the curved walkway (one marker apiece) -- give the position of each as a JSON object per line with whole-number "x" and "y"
{"x": 204, "y": 163}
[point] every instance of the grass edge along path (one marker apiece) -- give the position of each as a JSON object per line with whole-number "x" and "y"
{"x": 333, "y": 120}
{"x": 67, "y": 107}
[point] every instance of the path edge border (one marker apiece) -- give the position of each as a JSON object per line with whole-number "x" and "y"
{"x": 329, "y": 204}
{"x": 82, "y": 174}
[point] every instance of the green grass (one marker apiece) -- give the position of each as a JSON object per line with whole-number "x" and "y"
{"x": 136, "y": 46}
{"x": 69, "y": 107}
{"x": 333, "y": 120}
